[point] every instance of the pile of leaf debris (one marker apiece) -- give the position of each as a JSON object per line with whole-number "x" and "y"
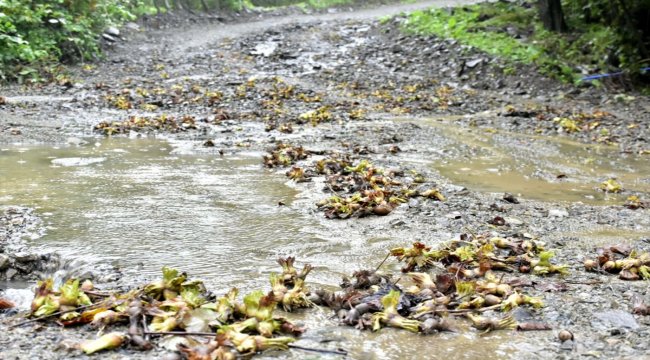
{"x": 147, "y": 123}
{"x": 182, "y": 310}
{"x": 278, "y": 104}
{"x": 359, "y": 187}
{"x": 471, "y": 277}
{"x": 628, "y": 263}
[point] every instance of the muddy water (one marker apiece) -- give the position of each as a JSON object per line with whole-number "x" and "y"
{"x": 140, "y": 204}
{"x": 538, "y": 168}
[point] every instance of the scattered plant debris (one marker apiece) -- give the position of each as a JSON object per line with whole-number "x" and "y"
{"x": 145, "y": 124}
{"x": 621, "y": 260}
{"x": 178, "y": 306}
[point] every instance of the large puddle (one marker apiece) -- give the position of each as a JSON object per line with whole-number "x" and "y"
{"x": 141, "y": 204}
{"x": 138, "y": 205}
{"x": 537, "y": 167}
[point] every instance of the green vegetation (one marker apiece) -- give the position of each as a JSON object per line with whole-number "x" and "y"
{"x": 512, "y": 30}
{"x": 36, "y": 36}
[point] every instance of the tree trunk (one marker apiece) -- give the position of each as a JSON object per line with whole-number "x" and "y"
{"x": 550, "y": 11}
{"x": 205, "y": 6}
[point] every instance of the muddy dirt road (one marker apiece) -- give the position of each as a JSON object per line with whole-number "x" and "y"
{"x": 192, "y": 107}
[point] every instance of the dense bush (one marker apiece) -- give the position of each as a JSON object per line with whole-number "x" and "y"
{"x": 603, "y": 36}
{"x": 627, "y": 19}
{"x": 38, "y": 32}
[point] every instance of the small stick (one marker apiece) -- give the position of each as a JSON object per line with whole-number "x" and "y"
{"x": 382, "y": 262}
{"x": 323, "y": 351}
{"x": 52, "y": 315}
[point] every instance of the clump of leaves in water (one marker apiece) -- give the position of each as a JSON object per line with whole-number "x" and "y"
{"x": 284, "y": 155}
{"x": 468, "y": 284}
{"x": 634, "y": 202}
{"x": 372, "y": 190}
{"x": 611, "y": 186}
{"x": 147, "y": 124}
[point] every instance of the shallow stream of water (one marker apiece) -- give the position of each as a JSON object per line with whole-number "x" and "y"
{"x": 537, "y": 167}
{"x": 144, "y": 203}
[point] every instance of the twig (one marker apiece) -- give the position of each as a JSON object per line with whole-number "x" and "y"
{"x": 98, "y": 294}
{"x": 322, "y": 351}
{"x": 382, "y": 262}
{"x": 53, "y": 314}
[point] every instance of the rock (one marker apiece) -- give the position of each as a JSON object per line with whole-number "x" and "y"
{"x": 265, "y": 49}
{"x": 15, "y": 131}
{"x": 510, "y": 198}
{"x": 473, "y": 63}
{"x": 513, "y": 221}
{"x": 112, "y": 31}
{"x": 565, "y": 335}
{"x": 24, "y": 257}
{"x": 109, "y": 38}
{"x": 617, "y": 318}
{"x": 4, "y": 261}
{"x": 132, "y": 26}
{"x": 397, "y": 49}
{"x": 76, "y": 141}
{"x": 558, "y": 213}
{"x": 567, "y": 345}
{"x": 522, "y": 314}
{"x": 11, "y": 273}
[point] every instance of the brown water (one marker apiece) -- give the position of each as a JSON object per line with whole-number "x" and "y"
{"x": 140, "y": 204}
{"x": 535, "y": 167}
{"x": 144, "y": 203}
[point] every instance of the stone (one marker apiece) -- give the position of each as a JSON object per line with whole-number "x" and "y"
{"x": 558, "y": 213}
{"x": 510, "y": 198}
{"x": 24, "y": 257}
{"x": 617, "y": 319}
{"x": 109, "y": 38}
{"x": 112, "y": 31}
{"x": 473, "y": 63}
{"x": 10, "y": 273}
{"x": 513, "y": 221}
{"x": 76, "y": 141}
{"x": 4, "y": 261}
